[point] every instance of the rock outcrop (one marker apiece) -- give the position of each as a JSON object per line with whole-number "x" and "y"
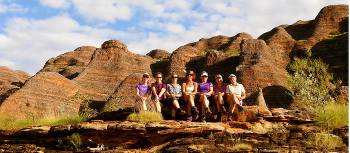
{"x": 111, "y": 64}
{"x": 47, "y": 94}
{"x": 168, "y": 136}
{"x": 10, "y": 81}
{"x": 159, "y": 54}
{"x": 72, "y": 63}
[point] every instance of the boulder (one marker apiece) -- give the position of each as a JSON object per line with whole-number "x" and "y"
{"x": 47, "y": 94}
{"x": 110, "y": 65}
{"x": 125, "y": 96}
{"x": 257, "y": 67}
{"x": 159, "y": 54}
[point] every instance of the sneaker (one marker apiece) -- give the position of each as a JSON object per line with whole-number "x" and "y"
{"x": 207, "y": 111}
{"x": 203, "y": 119}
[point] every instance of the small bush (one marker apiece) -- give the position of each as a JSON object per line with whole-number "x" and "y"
{"x": 323, "y": 141}
{"x": 311, "y": 84}
{"x": 145, "y": 117}
{"x": 332, "y": 116}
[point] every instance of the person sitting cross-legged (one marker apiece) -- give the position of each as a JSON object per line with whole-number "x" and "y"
{"x": 173, "y": 93}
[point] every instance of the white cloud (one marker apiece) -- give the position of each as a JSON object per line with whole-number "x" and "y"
{"x": 55, "y": 3}
{"x": 11, "y": 8}
{"x": 106, "y": 10}
{"x": 27, "y": 43}
{"x": 30, "y": 43}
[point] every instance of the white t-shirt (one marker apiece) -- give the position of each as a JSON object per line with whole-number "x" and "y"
{"x": 237, "y": 90}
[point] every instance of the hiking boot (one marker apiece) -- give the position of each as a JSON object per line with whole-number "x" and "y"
{"x": 180, "y": 112}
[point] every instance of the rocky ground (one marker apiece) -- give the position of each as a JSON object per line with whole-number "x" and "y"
{"x": 282, "y": 132}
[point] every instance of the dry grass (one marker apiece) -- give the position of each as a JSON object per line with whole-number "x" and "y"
{"x": 323, "y": 141}
{"x": 145, "y": 117}
{"x": 333, "y": 115}
{"x": 10, "y": 123}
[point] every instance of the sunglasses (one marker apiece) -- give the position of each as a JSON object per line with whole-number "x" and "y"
{"x": 158, "y": 77}
{"x": 174, "y": 77}
{"x": 145, "y": 76}
{"x": 204, "y": 76}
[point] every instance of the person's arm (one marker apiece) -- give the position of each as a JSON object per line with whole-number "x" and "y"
{"x": 184, "y": 89}
{"x": 243, "y": 94}
{"x": 210, "y": 90}
{"x": 167, "y": 90}
{"x": 179, "y": 94}
{"x": 228, "y": 90}
{"x": 195, "y": 88}
{"x": 162, "y": 91}
{"x": 154, "y": 92}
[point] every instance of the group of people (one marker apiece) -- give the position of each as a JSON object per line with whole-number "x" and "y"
{"x": 194, "y": 95}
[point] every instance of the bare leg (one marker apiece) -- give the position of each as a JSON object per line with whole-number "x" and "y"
{"x": 217, "y": 102}
{"x": 144, "y": 106}
{"x": 231, "y": 99}
{"x": 158, "y": 107}
{"x": 188, "y": 104}
{"x": 176, "y": 104}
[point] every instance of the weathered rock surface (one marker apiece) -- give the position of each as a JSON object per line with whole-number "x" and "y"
{"x": 109, "y": 67}
{"x": 10, "y": 81}
{"x": 257, "y": 68}
{"x": 159, "y": 54}
{"x": 165, "y": 136}
{"x": 72, "y": 63}
{"x": 47, "y": 94}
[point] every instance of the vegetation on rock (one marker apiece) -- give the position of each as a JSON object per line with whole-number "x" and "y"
{"x": 145, "y": 117}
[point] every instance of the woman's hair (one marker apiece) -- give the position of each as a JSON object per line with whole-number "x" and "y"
{"x": 190, "y": 72}
{"x": 157, "y": 73}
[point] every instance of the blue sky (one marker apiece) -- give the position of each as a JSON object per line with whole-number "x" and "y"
{"x": 32, "y": 31}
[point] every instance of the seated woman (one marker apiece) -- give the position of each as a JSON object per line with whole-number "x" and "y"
{"x": 235, "y": 95}
{"x": 205, "y": 90}
{"x": 173, "y": 93}
{"x": 143, "y": 90}
{"x": 219, "y": 92}
{"x": 189, "y": 90}
{"x": 158, "y": 90}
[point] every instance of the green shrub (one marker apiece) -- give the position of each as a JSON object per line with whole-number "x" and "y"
{"x": 333, "y": 115}
{"x": 310, "y": 83}
{"x": 145, "y": 117}
{"x": 323, "y": 141}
